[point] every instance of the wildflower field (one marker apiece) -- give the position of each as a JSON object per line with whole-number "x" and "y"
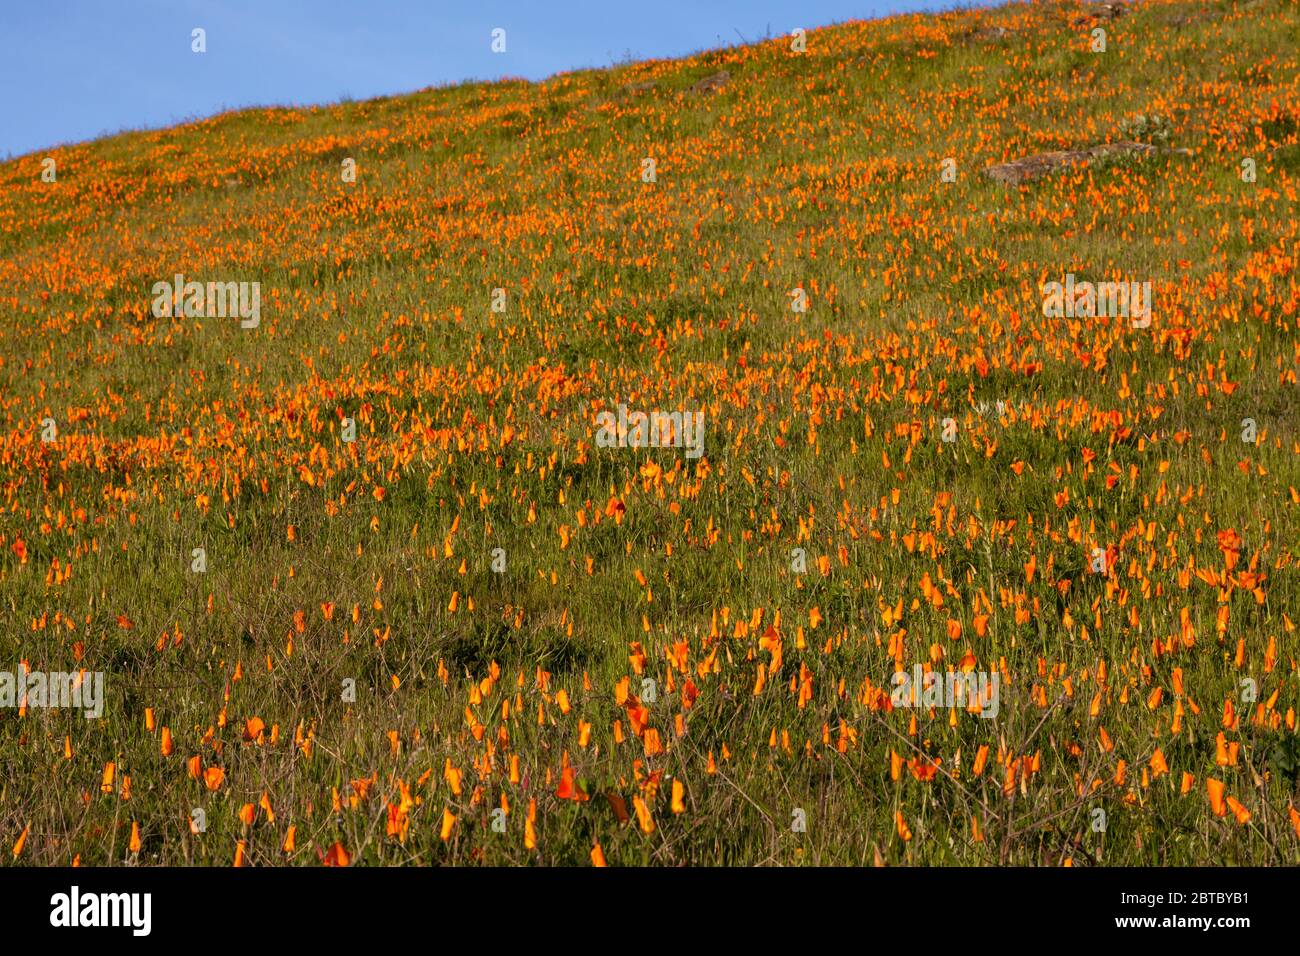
{"x": 368, "y": 585}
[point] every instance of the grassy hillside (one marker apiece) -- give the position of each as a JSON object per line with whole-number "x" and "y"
{"x": 686, "y": 660}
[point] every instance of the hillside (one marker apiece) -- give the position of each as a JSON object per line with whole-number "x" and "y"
{"x": 360, "y": 566}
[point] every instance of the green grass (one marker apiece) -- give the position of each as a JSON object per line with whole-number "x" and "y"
{"x": 820, "y": 171}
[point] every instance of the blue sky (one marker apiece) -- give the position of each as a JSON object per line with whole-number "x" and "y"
{"x": 73, "y": 70}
